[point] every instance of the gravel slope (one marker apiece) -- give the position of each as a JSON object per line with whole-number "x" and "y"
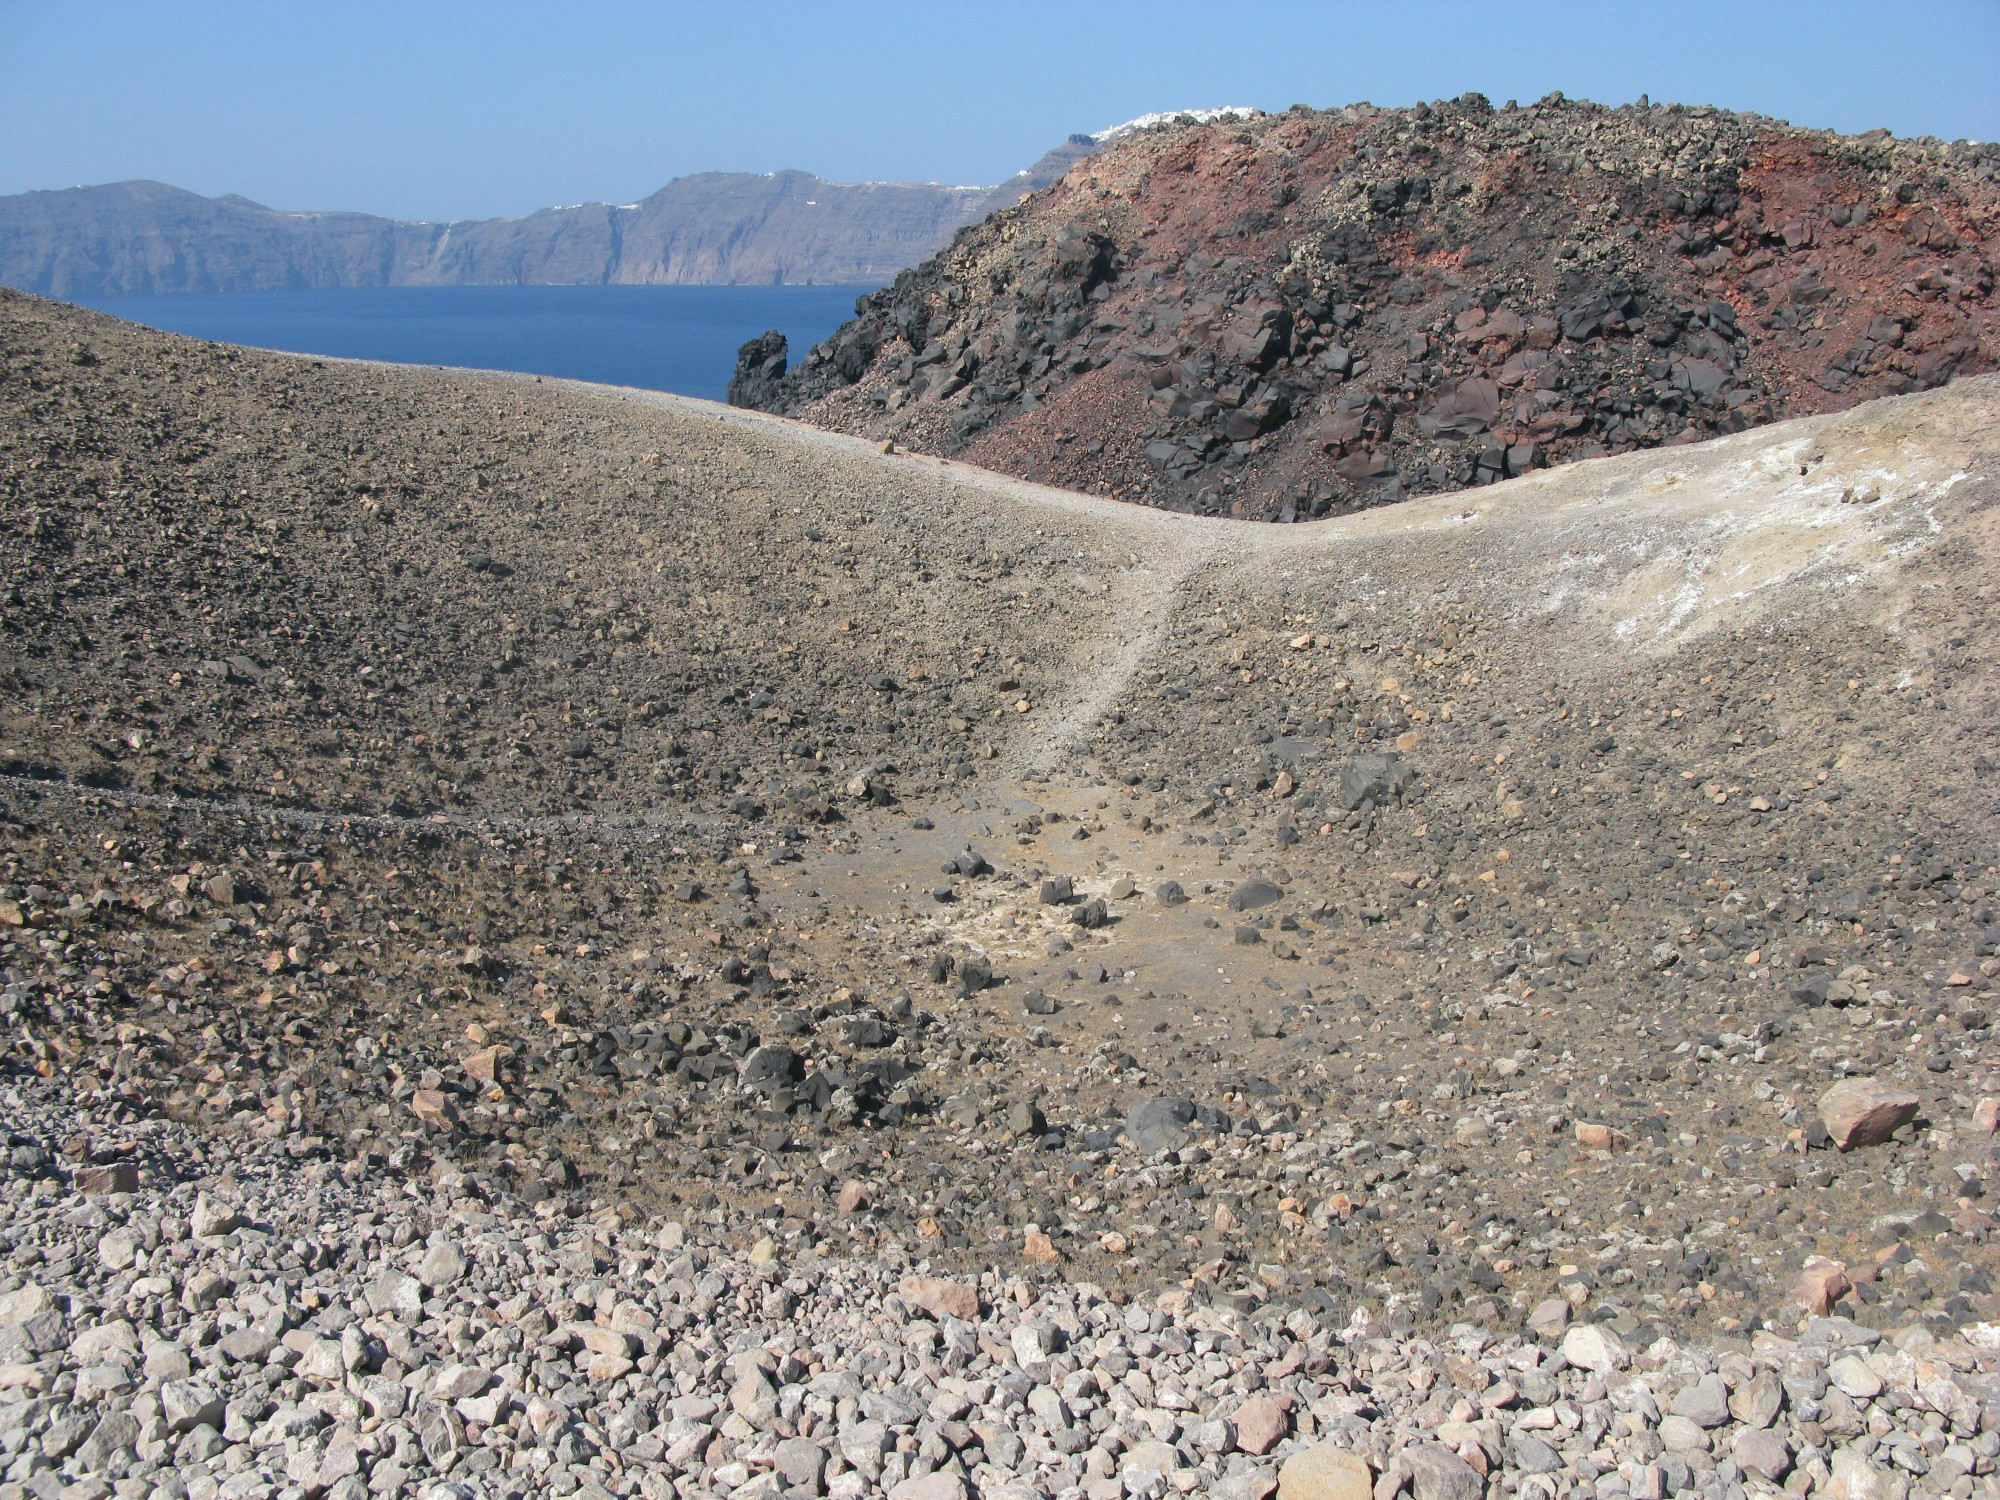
{"x": 594, "y": 811}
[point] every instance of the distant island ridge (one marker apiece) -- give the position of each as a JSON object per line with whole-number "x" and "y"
{"x": 709, "y": 229}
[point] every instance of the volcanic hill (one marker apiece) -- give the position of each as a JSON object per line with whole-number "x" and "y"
{"x": 1317, "y": 311}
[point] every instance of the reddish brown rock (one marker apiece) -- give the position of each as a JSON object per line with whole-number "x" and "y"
{"x": 1865, "y": 1112}
{"x": 941, "y": 1298}
{"x": 1820, "y": 1286}
{"x": 1262, "y": 1423}
{"x": 1277, "y": 317}
{"x": 1595, "y": 1137}
{"x": 484, "y": 1065}
{"x": 119, "y": 1177}
{"x": 1325, "y": 1473}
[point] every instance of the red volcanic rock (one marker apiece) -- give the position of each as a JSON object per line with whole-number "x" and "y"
{"x": 1323, "y": 310}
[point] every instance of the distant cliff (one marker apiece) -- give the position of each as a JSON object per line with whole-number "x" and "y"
{"x": 714, "y": 228}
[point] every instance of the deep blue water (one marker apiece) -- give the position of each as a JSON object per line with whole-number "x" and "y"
{"x": 667, "y": 338}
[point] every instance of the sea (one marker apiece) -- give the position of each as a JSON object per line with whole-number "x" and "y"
{"x": 665, "y": 338}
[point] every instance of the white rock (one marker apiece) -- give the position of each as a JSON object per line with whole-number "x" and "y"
{"x": 1852, "y": 1374}
{"x": 211, "y": 1218}
{"x": 1031, "y": 1343}
{"x": 456, "y": 1382}
{"x": 1592, "y": 1346}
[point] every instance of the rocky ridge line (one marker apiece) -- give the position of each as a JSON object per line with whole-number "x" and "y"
{"x": 1319, "y": 311}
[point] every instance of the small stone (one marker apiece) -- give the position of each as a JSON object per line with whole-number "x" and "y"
{"x": 938, "y": 1486}
{"x": 1030, "y": 1343}
{"x": 247, "y": 1346}
{"x": 98, "y": 1182}
{"x": 456, "y": 1382}
{"x": 106, "y": 1340}
{"x": 1865, "y": 1112}
{"x": 1853, "y": 1477}
{"x": 485, "y": 1409}
{"x": 484, "y": 1065}
{"x": 1160, "y": 1125}
{"x": 800, "y": 1462}
{"x": 188, "y": 1404}
{"x": 1091, "y": 914}
{"x": 1595, "y": 1137}
{"x": 1434, "y": 1472}
{"x": 26, "y": 1302}
{"x": 1262, "y": 1423}
{"x": 211, "y": 1218}
{"x": 1254, "y": 893}
{"x": 1534, "y": 1455}
{"x": 1153, "y": 1457}
{"x": 321, "y": 1360}
{"x": 1820, "y": 1286}
{"x": 1549, "y": 1319}
{"x": 167, "y": 1362}
{"x": 1037, "y": 1249}
{"x": 1705, "y": 1403}
{"x": 853, "y": 1197}
{"x": 113, "y": 1440}
{"x": 1682, "y": 1436}
{"x": 753, "y": 1399}
{"x": 1761, "y": 1454}
{"x": 396, "y": 1292}
{"x": 1592, "y": 1346}
{"x": 432, "y": 1108}
{"x": 1025, "y": 1118}
{"x": 1756, "y": 1402}
{"x": 941, "y": 1298}
{"x": 599, "y": 1340}
{"x": 339, "y": 1466}
{"x": 1852, "y": 1374}
{"x": 1374, "y": 778}
{"x": 118, "y": 1249}
{"x": 1325, "y": 1472}
{"x": 441, "y": 1266}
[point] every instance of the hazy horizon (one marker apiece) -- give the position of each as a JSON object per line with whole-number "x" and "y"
{"x": 412, "y": 112}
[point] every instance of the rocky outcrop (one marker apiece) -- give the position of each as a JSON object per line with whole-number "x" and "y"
{"x": 1315, "y": 311}
{"x": 713, "y": 228}
{"x": 760, "y": 372}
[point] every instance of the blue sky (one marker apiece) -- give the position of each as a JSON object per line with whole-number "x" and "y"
{"x": 427, "y": 109}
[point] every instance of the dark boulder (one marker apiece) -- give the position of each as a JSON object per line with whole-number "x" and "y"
{"x": 1254, "y": 893}
{"x": 768, "y": 1069}
{"x": 1379, "y": 779}
{"x": 1168, "y": 1124}
{"x": 759, "y": 381}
